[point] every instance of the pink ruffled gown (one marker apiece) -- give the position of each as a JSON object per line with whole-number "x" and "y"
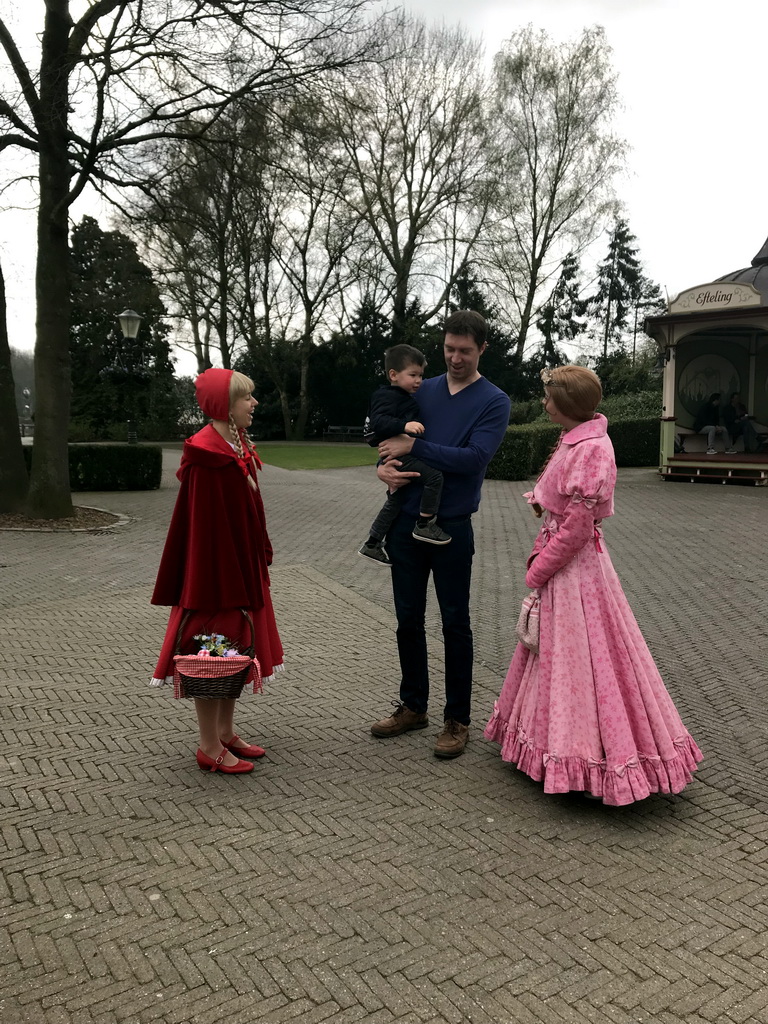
{"x": 590, "y": 712}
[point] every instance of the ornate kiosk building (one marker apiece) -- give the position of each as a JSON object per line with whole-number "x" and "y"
{"x": 714, "y": 339}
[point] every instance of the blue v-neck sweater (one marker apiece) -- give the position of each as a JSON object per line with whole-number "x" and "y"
{"x": 463, "y": 432}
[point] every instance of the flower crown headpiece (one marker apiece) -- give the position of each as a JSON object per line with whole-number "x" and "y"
{"x": 549, "y": 381}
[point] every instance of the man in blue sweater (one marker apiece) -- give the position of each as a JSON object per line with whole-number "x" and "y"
{"x": 467, "y": 417}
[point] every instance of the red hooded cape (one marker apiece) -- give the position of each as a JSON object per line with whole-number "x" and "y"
{"x": 217, "y": 550}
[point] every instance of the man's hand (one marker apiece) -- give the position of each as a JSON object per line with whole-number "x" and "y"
{"x": 414, "y": 427}
{"x": 392, "y": 477}
{"x": 396, "y": 447}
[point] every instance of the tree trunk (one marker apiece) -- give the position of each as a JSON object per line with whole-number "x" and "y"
{"x": 222, "y": 320}
{"x": 49, "y": 492}
{"x": 14, "y": 480}
{"x": 400, "y": 300}
{"x": 286, "y": 411}
{"x": 527, "y": 314}
{"x": 608, "y": 323}
{"x": 201, "y": 346}
{"x": 300, "y": 427}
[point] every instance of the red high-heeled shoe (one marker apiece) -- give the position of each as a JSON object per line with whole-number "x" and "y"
{"x": 247, "y": 751}
{"x": 210, "y": 764}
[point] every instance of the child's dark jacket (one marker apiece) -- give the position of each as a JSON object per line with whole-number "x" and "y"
{"x": 390, "y": 409}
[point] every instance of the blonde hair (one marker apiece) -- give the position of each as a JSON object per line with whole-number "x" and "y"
{"x": 240, "y": 386}
{"x": 575, "y": 390}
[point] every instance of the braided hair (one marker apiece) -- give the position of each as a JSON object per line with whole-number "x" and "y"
{"x": 241, "y": 386}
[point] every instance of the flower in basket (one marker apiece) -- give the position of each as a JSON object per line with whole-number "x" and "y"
{"x": 215, "y": 646}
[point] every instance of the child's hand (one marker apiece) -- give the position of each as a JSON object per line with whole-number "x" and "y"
{"x": 414, "y": 427}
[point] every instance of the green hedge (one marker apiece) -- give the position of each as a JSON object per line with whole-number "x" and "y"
{"x": 82, "y": 431}
{"x": 636, "y": 442}
{"x": 112, "y": 467}
{"x": 513, "y": 459}
{"x": 525, "y": 448}
{"x": 523, "y": 451}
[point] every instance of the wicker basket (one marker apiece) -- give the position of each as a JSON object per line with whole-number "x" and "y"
{"x": 215, "y": 678}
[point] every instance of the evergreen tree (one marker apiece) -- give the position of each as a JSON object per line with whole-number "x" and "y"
{"x": 561, "y": 316}
{"x": 497, "y": 361}
{"x": 427, "y": 338}
{"x": 649, "y": 301}
{"x": 345, "y": 369}
{"x": 277, "y": 389}
{"x": 115, "y": 380}
{"x": 371, "y": 333}
{"x": 620, "y": 374}
{"x": 618, "y": 286}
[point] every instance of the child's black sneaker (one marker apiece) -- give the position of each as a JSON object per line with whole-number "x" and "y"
{"x": 376, "y": 552}
{"x": 428, "y": 531}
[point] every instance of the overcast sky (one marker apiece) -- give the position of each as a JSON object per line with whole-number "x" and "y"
{"x": 692, "y": 77}
{"x": 693, "y": 82}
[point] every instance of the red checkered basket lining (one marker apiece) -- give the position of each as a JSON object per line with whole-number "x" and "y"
{"x": 215, "y": 678}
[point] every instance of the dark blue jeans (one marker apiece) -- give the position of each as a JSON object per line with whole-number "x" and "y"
{"x": 451, "y": 569}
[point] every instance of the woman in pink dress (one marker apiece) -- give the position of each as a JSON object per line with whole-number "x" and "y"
{"x": 588, "y": 712}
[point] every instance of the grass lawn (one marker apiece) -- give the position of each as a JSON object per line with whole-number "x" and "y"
{"x": 316, "y": 456}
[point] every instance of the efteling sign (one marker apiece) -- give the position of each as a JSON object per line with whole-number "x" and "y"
{"x": 720, "y": 295}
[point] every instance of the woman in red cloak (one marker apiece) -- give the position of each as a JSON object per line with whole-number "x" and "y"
{"x": 216, "y": 557}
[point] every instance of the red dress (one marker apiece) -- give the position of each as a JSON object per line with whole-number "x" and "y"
{"x": 216, "y": 556}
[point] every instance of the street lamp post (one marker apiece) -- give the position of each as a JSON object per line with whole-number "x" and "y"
{"x": 130, "y": 321}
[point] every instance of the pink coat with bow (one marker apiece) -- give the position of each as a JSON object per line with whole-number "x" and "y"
{"x": 576, "y": 488}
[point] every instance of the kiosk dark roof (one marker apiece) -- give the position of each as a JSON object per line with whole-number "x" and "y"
{"x": 756, "y": 274}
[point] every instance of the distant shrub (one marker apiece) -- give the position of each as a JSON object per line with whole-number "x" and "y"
{"x": 526, "y": 411}
{"x": 633, "y": 406}
{"x": 635, "y": 442}
{"x": 82, "y": 431}
{"x": 544, "y": 437}
{"x": 526, "y": 447}
{"x": 111, "y": 467}
{"x": 512, "y": 461}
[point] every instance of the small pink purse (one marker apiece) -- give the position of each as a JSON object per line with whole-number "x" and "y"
{"x": 527, "y": 629}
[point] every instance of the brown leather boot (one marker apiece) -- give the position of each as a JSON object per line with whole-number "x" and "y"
{"x": 400, "y": 721}
{"x": 452, "y": 740}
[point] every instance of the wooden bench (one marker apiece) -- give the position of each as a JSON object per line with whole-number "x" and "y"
{"x": 688, "y": 432}
{"x": 339, "y": 433}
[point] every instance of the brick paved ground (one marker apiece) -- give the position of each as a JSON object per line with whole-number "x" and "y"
{"x": 354, "y": 880}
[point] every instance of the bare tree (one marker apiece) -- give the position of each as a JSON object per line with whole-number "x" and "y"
{"x": 249, "y": 231}
{"x": 13, "y": 471}
{"x": 555, "y": 157}
{"x": 413, "y": 132}
{"x": 121, "y": 74}
{"x": 186, "y": 217}
{"x": 307, "y": 238}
